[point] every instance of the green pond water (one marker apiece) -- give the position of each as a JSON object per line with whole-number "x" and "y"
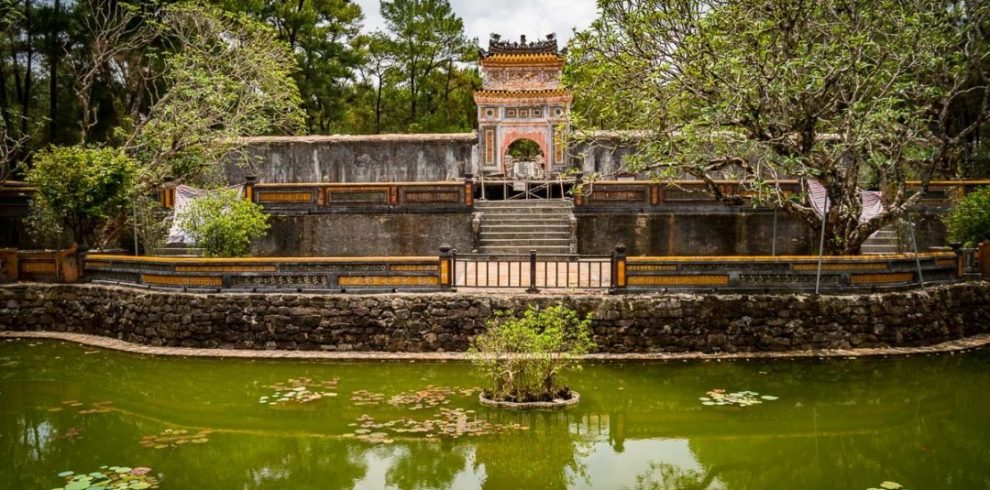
{"x": 922, "y": 422}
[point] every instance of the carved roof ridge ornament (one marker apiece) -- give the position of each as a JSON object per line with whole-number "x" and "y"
{"x": 544, "y": 46}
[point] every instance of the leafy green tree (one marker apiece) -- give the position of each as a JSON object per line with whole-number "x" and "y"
{"x": 969, "y": 221}
{"x": 525, "y": 357}
{"x": 84, "y": 187}
{"x": 428, "y": 42}
{"x": 850, "y": 93}
{"x": 228, "y": 78}
{"x": 223, "y": 223}
{"x": 324, "y": 37}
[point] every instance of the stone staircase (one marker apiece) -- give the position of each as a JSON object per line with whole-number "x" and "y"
{"x": 518, "y": 226}
{"x": 882, "y": 241}
{"x": 178, "y": 250}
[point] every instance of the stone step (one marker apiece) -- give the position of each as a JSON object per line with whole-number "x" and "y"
{"x": 525, "y": 242}
{"x": 882, "y": 241}
{"x": 513, "y": 226}
{"x": 533, "y": 223}
{"x": 549, "y": 203}
{"x": 178, "y": 252}
{"x": 514, "y": 250}
{"x": 518, "y": 226}
{"x": 868, "y": 249}
{"x": 511, "y": 235}
{"x": 525, "y": 212}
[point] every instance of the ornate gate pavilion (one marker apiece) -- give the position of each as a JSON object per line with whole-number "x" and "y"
{"x": 522, "y": 98}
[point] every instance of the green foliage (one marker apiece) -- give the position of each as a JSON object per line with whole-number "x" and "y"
{"x": 969, "y": 222}
{"x": 427, "y": 90}
{"x": 223, "y": 223}
{"x": 83, "y": 186}
{"x": 524, "y": 357}
{"x": 324, "y": 37}
{"x": 852, "y": 94}
{"x": 229, "y": 78}
{"x": 524, "y": 148}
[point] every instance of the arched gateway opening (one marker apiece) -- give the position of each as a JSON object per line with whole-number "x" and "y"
{"x": 525, "y": 158}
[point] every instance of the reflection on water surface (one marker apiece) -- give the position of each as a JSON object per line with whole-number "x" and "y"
{"x": 839, "y": 424}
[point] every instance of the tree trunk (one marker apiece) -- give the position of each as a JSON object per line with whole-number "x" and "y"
{"x": 53, "y": 60}
{"x": 4, "y": 105}
{"x": 28, "y": 69}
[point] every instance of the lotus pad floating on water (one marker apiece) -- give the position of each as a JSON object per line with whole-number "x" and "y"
{"x": 429, "y": 397}
{"x": 889, "y": 485}
{"x": 82, "y": 409}
{"x": 110, "y": 478}
{"x": 448, "y": 423}
{"x": 174, "y": 438}
{"x": 719, "y": 397}
{"x": 300, "y": 390}
{"x": 72, "y": 433}
{"x": 365, "y": 397}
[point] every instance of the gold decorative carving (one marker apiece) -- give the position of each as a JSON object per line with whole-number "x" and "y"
{"x": 269, "y": 196}
{"x": 869, "y": 266}
{"x": 652, "y": 267}
{"x": 357, "y": 195}
{"x": 97, "y": 265}
{"x": 38, "y": 267}
{"x": 163, "y": 280}
{"x": 431, "y": 196}
{"x": 605, "y": 195}
{"x": 881, "y": 278}
{"x": 225, "y": 268}
{"x": 388, "y": 281}
{"x": 413, "y": 268}
{"x": 489, "y": 146}
{"x": 701, "y": 280}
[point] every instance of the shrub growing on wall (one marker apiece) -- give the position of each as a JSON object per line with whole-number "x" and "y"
{"x": 969, "y": 221}
{"x": 524, "y": 357}
{"x": 223, "y": 223}
{"x": 80, "y": 188}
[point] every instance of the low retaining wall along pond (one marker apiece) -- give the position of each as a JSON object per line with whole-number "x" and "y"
{"x": 429, "y": 322}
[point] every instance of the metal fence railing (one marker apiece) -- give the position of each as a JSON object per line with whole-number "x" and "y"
{"x": 533, "y": 272}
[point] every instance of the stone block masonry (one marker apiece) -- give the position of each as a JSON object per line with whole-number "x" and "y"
{"x": 447, "y": 322}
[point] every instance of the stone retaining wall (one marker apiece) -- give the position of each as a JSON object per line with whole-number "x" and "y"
{"x": 432, "y": 322}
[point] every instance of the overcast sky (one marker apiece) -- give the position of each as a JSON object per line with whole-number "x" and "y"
{"x": 510, "y": 18}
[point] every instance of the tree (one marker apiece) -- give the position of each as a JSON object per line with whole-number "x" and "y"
{"x": 223, "y": 223}
{"x": 969, "y": 220}
{"x": 323, "y": 35}
{"x": 228, "y": 77}
{"x": 850, "y": 93}
{"x": 113, "y": 66}
{"x": 83, "y": 187}
{"x": 427, "y": 42}
{"x": 524, "y": 357}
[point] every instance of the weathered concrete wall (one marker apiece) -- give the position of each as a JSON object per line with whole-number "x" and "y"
{"x": 602, "y": 152}
{"x": 705, "y": 231}
{"x": 372, "y": 158}
{"x": 371, "y": 234}
{"x": 431, "y": 322}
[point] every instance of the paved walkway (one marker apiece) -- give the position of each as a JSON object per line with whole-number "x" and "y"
{"x": 961, "y": 345}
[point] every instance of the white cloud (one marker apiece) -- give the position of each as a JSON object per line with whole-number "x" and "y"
{"x": 510, "y": 18}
